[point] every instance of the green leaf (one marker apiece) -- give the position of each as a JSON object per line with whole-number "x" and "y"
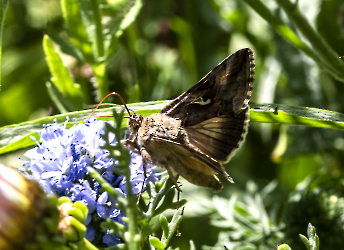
{"x": 156, "y": 197}
{"x": 173, "y": 226}
{"x": 166, "y": 202}
{"x": 164, "y": 225}
{"x": 283, "y": 247}
{"x": 3, "y": 9}
{"x": 327, "y": 55}
{"x": 155, "y": 242}
{"x": 332, "y": 67}
{"x": 293, "y": 115}
{"x": 127, "y": 20}
{"x": 305, "y": 241}
{"x": 56, "y": 97}
{"x": 61, "y": 78}
{"x": 13, "y": 137}
{"x": 76, "y": 29}
{"x": 118, "y": 247}
{"x": 115, "y": 227}
{"x": 64, "y": 46}
{"x": 122, "y": 202}
{"x": 129, "y": 17}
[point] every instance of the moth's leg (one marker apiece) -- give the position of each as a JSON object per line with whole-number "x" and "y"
{"x": 178, "y": 196}
{"x": 145, "y": 160}
{"x": 130, "y": 145}
{"x": 173, "y": 178}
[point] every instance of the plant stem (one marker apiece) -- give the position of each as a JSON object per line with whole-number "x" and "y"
{"x": 317, "y": 42}
{"x": 88, "y": 245}
{"x": 98, "y": 29}
{"x": 134, "y": 237}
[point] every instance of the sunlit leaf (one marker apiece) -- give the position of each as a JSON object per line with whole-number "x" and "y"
{"x": 14, "y": 137}
{"x": 61, "y": 78}
{"x": 76, "y": 29}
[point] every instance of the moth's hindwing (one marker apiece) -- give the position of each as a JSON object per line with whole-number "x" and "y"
{"x": 215, "y": 111}
{"x": 201, "y": 127}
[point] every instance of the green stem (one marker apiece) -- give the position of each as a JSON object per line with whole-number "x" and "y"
{"x": 88, "y": 245}
{"x": 3, "y": 9}
{"x": 288, "y": 34}
{"x": 99, "y": 67}
{"x": 101, "y": 79}
{"x": 134, "y": 242}
{"x": 317, "y": 42}
{"x": 98, "y": 29}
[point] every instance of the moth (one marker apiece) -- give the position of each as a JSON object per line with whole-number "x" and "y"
{"x": 202, "y": 127}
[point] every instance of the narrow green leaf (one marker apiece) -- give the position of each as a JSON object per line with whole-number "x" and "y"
{"x": 107, "y": 187}
{"x": 56, "y": 97}
{"x": 305, "y": 241}
{"x": 192, "y": 245}
{"x": 130, "y": 17}
{"x": 3, "y": 9}
{"x": 17, "y": 141}
{"x": 115, "y": 227}
{"x": 113, "y": 47}
{"x": 284, "y": 114}
{"x": 155, "y": 242}
{"x": 88, "y": 245}
{"x": 328, "y": 55}
{"x": 61, "y": 78}
{"x": 127, "y": 20}
{"x": 159, "y": 185}
{"x": 173, "y": 226}
{"x": 317, "y": 243}
{"x": 64, "y": 46}
{"x": 178, "y": 204}
{"x": 164, "y": 226}
{"x": 76, "y": 29}
{"x": 166, "y": 202}
{"x": 118, "y": 247}
{"x": 290, "y": 35}
{"x": 16, "y": 136}
{"x": 156, "y": 197}
{"x": 311, "y": 233}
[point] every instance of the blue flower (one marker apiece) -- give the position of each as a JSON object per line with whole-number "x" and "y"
{"x": 59, "y": 163}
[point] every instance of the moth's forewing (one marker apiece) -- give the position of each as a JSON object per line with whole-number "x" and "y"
{"x": 218, "y": 124}
{"x": 201, "y": 127}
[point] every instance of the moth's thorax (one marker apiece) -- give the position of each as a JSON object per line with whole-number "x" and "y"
{"x": 160, "y": 126}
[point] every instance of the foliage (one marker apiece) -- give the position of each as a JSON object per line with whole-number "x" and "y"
{"x": 59, "y": 56}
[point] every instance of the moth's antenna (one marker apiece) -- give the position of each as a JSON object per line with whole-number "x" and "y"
{"x": 113, "y": 93}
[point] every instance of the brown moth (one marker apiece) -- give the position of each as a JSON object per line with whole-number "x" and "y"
{"x": 202, "y": 127}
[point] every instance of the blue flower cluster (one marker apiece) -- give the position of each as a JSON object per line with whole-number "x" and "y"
{"x": 59, "y": 163}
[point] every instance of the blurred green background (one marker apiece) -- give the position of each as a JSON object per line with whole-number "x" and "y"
{"x": 170, "y": 46}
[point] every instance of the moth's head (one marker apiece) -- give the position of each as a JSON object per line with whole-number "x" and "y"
{"x": 135, "y": 122}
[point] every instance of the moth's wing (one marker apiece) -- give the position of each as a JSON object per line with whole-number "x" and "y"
{"x": 188, "y": 162}
{"x": 214, "y": 111}
{"x": 219, "y": 137}
{"x": 228, "y": 85}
